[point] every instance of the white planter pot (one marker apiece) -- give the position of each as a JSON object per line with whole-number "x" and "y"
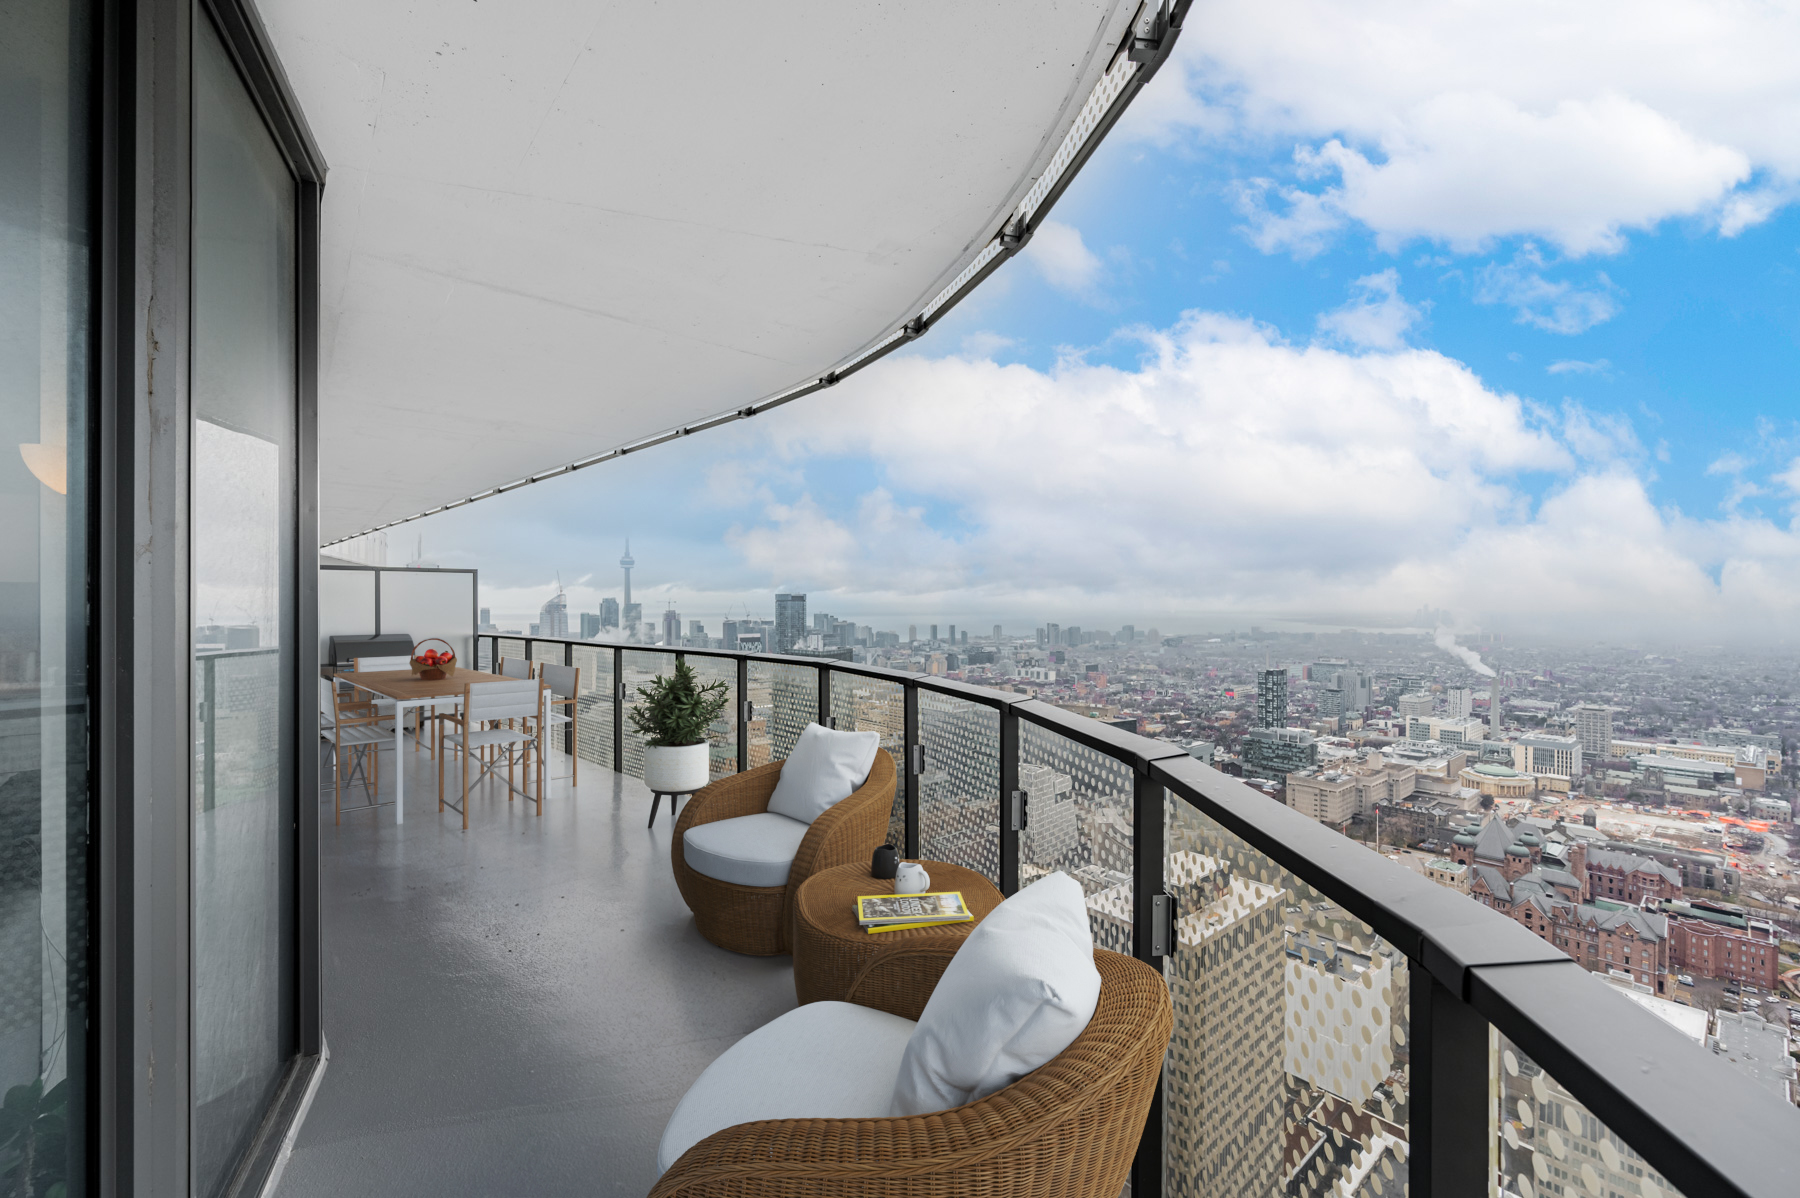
{"x": 679, "y": 769}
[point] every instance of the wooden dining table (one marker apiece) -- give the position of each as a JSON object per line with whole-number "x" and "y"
{"x": 409, "y": 693}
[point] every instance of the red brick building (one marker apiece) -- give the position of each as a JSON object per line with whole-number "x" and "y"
{"x": 1624, "y": 877}
{"x": 1715, "y": 942}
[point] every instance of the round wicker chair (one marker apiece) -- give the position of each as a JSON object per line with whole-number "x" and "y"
{"x": 1067, "y": 1130}
{"x": 758, "y": 920}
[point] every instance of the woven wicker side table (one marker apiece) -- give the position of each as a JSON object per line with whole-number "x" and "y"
{"x": 830, "y": 948}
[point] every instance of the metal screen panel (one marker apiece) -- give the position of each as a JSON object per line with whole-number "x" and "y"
{"x": 861, "y": 704}
{"x": 722, "y": 735}
{"x": 785, "y": 699}
{"x": 594, "y": 709}
{"x": 959, "y": 792}
{"x": 1550, "y": 1145}
{"x": 1287, "y": 1071}
{"x": 509, "y": 647}
{"x": 1078, "y": 821}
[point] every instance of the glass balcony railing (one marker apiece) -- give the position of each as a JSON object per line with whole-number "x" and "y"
{"x": 1343, "y": 1026}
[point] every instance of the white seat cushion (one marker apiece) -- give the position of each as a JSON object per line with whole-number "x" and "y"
{"x": 750, "y": 850}
{"x": 826, "y": 1060}
{"x": 824, "y": 769}
{"x": 1018, "y": 992}
{"x": 482, "y": 738}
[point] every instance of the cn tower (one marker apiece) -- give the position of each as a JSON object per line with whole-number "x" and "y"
{"x": 625, "y": 563}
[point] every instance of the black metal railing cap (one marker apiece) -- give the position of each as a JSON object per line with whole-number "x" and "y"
{"x": 1685, "y": 1108}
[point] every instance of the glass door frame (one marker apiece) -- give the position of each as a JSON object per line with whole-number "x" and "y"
{"x": 140, "y": 627}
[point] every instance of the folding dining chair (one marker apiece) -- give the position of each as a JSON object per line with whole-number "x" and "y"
{"x": 562, "y": 685}
{"x": 515, "y": 708}
{"x": 343, "y": 725}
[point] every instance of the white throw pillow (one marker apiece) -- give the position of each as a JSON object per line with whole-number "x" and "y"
{"x": 1018, "y": 992}
{"x": 824, "y": 769}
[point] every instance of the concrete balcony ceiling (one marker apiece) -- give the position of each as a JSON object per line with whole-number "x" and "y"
{"x": 556, "y": 229}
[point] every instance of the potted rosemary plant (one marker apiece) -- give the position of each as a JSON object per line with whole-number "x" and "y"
{"x": 673, "y": 718}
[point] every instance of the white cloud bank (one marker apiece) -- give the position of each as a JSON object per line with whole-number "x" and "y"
{"x": 1464, "y": 123}
{"x": 1233, "y": 471}
{"x": 1063, "y": 259}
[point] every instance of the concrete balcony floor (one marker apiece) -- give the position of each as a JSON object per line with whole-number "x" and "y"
{"x": 514, "y": 1010}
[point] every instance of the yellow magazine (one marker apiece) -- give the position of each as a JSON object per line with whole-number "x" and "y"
{"x": 882, "y": 910}
{"x": 932, "y": 923}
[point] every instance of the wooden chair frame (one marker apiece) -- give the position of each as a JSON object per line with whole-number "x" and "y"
{"x": 527, "y": 734}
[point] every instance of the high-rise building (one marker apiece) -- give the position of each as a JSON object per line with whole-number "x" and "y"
{"x": 1052, "y": 635}
{"x": 625, "y": 564}
{"x": 1272, "y": 698}
{"x": 671, "y": 627}
{"x": 553, "y": 620}
{"x": 696, "y": 634}
{"x": 1494, "y": 709}
{"x": 1594, "y": 728}
{"x": 590, "y": 625}
{"x": 487, "y": 615}
{"x": 634, "y": 615}
{"x": 996, "y": 632}
{"x": 1415, "y": 703}
{"x": 790, "y": 622}
{"x": 1226, "y": 1076}
{"x": 1459, "y": 703}
{"x": 934, "y": 633}
{"x": 1548, "y": 756}
{"x": 1277, "y": 752}
{"x": 1072, "y": 636}
{"x": 952, "y": 634}
{"x": 609, "y": 613}
{"x": 912, "y": 633}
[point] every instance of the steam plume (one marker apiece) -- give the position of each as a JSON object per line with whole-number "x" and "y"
{"x": 1446, "y": 640}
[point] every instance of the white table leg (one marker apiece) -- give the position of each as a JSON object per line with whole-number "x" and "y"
{"x": 400, "y": 761}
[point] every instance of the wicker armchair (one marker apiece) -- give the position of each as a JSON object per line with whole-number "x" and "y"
{"x": 1067, "y": 1130}
{"x": 758, "y": 920}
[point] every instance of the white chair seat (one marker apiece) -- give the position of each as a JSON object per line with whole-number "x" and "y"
{"x": 481, "y": 738}
{"x": 750, "y": 850}
{"x": 362, "y": 734}
{"x": 826, "y": 1060}
{"x": 553, "y": 719}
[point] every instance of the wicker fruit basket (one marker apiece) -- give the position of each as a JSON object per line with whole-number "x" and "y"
{"x": 432, "y": 664}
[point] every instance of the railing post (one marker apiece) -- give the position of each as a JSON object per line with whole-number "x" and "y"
{"x": 618, "y": 656}
{"x": 569, "y": 729}
{"x": 825, "y": 696}
{"x": 1147, "y": 799}
{"x": 1448, "y": 1096}
{"x": 1011, "y": 808}
{"x": 909, "y": 769}
{"x": 743, "y": 713}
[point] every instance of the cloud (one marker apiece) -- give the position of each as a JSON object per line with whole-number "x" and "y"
{"x": 1462, "y": 124}
{"x": 1231, "y": 470}
{"x": 1597, "y": 366}
{"x": 1555, "y": 306}
{"x": 1063, "y": 259}
{"x": 1376, "y": 317}
{"x": 1728, "y": 463}
{"x": 984, "y": 343}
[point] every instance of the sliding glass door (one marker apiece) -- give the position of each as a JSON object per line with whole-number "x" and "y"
{"x": 243, "y": 520}
{"x": 44, "y": 406}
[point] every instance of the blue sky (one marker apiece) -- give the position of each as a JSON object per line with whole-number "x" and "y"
{"x": 1496, "y": 313}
